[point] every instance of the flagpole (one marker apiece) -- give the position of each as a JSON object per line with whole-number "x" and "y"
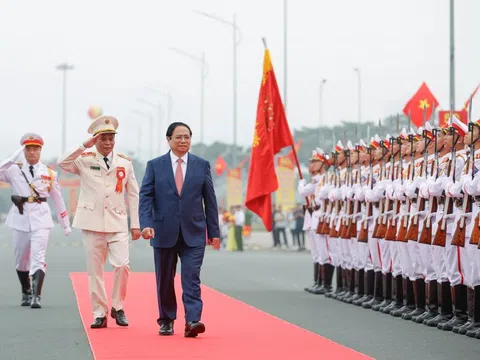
{"x": 452, "y": 60}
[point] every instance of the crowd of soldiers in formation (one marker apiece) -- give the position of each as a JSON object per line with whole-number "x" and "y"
{"x": 396, "y": 221}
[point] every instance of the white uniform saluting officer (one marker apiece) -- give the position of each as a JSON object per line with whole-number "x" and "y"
{"x": 108, "y": 187}
{"x": 29, "y": 217}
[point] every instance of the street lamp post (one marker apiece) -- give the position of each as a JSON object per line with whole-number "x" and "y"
{"x": 320, "y": 110}
{"x": 148, "y": 116}
{"x": 359, "y": 100}
{"x": 237, "y": 36}
{"x": 168, "y": 116}
{"x": 159, "y": 108}
{"x": 64, "y": 67}
{"x": 203, "y": 74}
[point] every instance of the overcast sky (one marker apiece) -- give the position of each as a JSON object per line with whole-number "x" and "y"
{"x": 119, "y": 48}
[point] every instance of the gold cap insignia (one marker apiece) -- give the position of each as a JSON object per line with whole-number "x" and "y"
{"x": 107, "y": 121}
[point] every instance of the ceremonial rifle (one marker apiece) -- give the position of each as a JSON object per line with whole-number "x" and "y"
{"x": 402, "y": 233}
{"x": 441, "y": 234}
{"x": 379, "y": 229}
{"x": 363, "y": 235}
{"x": 347, "y": 218}
{"x": 392, "y": 225}
{"x": 426, "y": 235}
{"x": 459, "y": 235}
{"x": 352, "y": 228}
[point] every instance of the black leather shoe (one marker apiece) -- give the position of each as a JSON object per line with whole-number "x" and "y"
{"x": 119, "y": 316}
{"x": 99, "y": 323}
{"x": 193, "y": 328}
{"x": 166, "y": 328}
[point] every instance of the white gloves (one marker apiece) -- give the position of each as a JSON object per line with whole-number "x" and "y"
{"x": 67, "y": 230}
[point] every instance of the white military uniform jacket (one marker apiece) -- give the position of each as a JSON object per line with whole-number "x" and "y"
{"x": 35, "y": 215}
{"x": 100, "y": 207}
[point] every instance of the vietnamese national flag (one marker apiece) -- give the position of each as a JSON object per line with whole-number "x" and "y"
{"x": 271, "y": 134}
{"x": 220, "y": 166}
{"x": 421, "y": 105}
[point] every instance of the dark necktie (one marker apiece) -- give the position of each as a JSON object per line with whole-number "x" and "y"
{"x": 31, "y": 170}
{"x": 106, "y": 162}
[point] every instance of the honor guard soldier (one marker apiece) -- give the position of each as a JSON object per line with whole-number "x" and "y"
{"x": 29, "y": 217}
{"x": 108, "y": 189}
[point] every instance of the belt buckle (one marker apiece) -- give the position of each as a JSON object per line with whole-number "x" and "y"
{"x": 31, "y": 199}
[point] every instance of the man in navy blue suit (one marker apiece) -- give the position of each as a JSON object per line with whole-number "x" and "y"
{"x": 178, "y": 209}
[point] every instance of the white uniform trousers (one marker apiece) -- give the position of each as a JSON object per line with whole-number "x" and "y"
{"x": 314, "y": 248}
{"x": 426, "y": 254}
{"x": 386, "y": 255}
{"x": 373, "y": 246}
{"x": 324, "y": 256}
{"x": 374, "y": 250}
{"x": 438, "y": 252}
{"x": 333, "y": 246}
{"x": 472, "y": 272}
{"x": 30, "y": 249}
{"x": 363, "y": 258}
{"x": 396, "y": 263}
{"x": 345, "y": 246}
{"x": 354, "y": 252}
{"x": 455, "y": 256}
{"x": 97, "y": 246}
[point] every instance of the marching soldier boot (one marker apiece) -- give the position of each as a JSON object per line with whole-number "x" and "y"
{"x": 347, "y": 280}
{"x": 351, "y": 286}
{"x": 368, "y": 284}
{"x": 460, "y": 313}
{"x": 318, "y": 289}
{"x": 359, "y": 286}
{"x": 419, "y": 294}
{"x": 446, "y": 310}
{"x": 431, "y": 301}
{"x": 397, "y": 303}
{"x": 391, "y": 294}
{"x": 315, "y": 275}
{"x": 345, "y": 285}
{"x": 328, "y": 271}
{"x": 37, "y": 284}
{"x": 462, "y": 330}
{"x": 475, "y": 326}
{"x": 26, "y": 289}
{"x": 386, "y": 291}
{"x": 377, "y": 292}
{"x": 408, "y": 299}
{"x": 339, "y": 284}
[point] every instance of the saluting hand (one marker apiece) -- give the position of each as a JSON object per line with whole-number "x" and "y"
{"x": 91, "y": 141}
{"x": 135, "y": 234}
{"x": 148, "y": 233}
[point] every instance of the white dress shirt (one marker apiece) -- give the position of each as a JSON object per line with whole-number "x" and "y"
{"x": 174, "y": 159}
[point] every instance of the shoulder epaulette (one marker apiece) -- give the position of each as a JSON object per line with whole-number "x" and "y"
{"x": 125, "y": 157}
{"x": 19, "y": 163}
{"x": 91, "y": 153}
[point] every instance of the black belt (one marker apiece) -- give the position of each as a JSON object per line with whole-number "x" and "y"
{"x": 33, "y": 199}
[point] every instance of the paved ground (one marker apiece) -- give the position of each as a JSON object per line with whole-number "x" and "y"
{"x": 269, "y": 280}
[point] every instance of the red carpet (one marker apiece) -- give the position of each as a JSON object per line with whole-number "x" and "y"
{"x": 255, "y": 334}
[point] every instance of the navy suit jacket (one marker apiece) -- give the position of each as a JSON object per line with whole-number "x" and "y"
{"x": 166, "y": 211}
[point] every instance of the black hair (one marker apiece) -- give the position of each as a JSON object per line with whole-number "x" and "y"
{"x": 174, "y": 125}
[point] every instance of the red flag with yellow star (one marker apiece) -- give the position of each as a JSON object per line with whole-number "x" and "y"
{"x": 421, "y": 104}
{"x": 271, "y": 134}
{"x": 220, "y": 165}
